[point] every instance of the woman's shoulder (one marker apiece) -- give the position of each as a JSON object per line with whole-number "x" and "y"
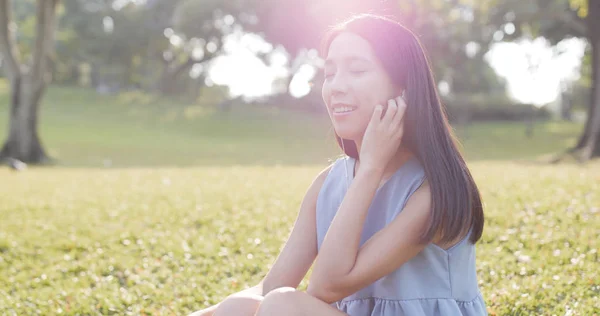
{"x": 332, "y": 168}
{"x": 327, "y": 176}
{"x": 323, "y": 175}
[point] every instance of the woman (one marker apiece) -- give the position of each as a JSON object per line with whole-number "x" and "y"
{"x": 395, "y": 221}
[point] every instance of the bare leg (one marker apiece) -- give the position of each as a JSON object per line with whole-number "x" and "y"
{"x": 205, "y": 312}
{"x": 239, "y": 305}
{"x": 290, "y": 302}
{"x": 242, "y": 303}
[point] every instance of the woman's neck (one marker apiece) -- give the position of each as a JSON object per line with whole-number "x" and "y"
{"x": 401, "y": 157}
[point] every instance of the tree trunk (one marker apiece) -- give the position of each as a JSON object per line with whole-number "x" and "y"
{"x": 590, "y": 140}
{"x": 592, "y": 102}
{"x": 167, "y": 82}
{"x": 566, "y": 107}
{"x": 27, "y": 83}
{"x": 169, "y": 78}
{"x": 23, "y": 142}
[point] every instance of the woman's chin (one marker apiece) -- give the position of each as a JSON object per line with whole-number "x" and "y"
{"x": 348, "y": 134}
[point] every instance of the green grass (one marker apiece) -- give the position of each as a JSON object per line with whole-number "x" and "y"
{"x": 132, "y": 130}
{"x": 81, "y": 129}
{"x": 194, "y": 208}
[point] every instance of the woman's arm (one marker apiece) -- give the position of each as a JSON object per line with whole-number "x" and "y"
{"x": 297, "y": 255}
{"x": 300, "y": 250}
{"x": 342, "y": 268}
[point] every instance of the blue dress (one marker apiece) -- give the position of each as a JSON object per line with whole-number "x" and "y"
{"x": 436, "y": 281}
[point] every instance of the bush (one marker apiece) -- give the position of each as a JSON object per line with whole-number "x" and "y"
{"x": 460, "y": 109}
{"x": 466, "y": 108}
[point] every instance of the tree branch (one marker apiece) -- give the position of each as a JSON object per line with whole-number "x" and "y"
{"x": 7, "y": 47}
{"x": 44, "y": 40}
{"x": 191, "y": 61}
{"x": 573, "y": 23}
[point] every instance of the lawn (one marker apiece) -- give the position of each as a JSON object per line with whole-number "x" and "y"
{"x": 159, "y": 208}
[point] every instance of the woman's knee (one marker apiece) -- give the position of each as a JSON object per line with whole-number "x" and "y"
{"x": 281, "y": 301}
{"x": 241, "y": 305}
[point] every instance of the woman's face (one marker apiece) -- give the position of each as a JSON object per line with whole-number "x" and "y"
{"x": 355, "y": 82}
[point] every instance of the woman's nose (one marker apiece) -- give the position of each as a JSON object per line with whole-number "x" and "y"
{"x": 339, "y": 84}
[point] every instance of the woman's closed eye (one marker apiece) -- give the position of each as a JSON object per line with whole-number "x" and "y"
{"x": 353, "y": 72}
{"x": 358, "y": 72}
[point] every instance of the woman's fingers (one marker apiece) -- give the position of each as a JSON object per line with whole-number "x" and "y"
{"x": 398, "y": 118}
{"x": 376, "y": 117}
{"x": 392, "y": 109}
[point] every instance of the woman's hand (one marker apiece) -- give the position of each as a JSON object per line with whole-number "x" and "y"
{"x": 383, "y": 135}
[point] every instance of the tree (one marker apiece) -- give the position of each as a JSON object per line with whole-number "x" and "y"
{"x": 445, "y": 28}
{"x": 28, "y": 81}
{"x": 120, "y": 43}
{"x": 558, "y": 20}
{"x": 151, "y": 44}
{"x": 589, "y": 142}
{"x": 197, "y": 33}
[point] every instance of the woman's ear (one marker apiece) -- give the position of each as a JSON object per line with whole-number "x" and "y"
{"x": 400, "y": 92}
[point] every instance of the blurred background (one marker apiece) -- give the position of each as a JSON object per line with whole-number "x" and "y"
{"x": 184, "y": 75}
{"x": 165, "y": 145}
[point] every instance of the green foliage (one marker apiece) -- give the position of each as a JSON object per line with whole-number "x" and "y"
{"x": 476, "y": 76}
{"x": 444, "y": 28}
{"x": 484, "y": 107}
{"x": 137, "y": 50}
{"x": 151, "y": 44}
{"x": 553, "y": 19}
{"x": 581, "y": 6}
{"x": 86, "y": 238}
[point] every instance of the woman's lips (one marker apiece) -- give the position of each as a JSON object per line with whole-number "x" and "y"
{"x": 341, "y": 109}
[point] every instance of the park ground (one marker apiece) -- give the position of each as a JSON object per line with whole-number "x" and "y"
{"x": 159, "y": 207}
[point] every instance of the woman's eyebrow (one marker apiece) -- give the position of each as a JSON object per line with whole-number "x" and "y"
{"x": 330, "y": 61}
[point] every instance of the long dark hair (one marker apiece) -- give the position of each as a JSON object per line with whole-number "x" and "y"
{"x": 456, "y": 202}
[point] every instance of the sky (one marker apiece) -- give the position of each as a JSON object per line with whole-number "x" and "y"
{"x": 516, "y": 61}
{"x": 248, "y": 76}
